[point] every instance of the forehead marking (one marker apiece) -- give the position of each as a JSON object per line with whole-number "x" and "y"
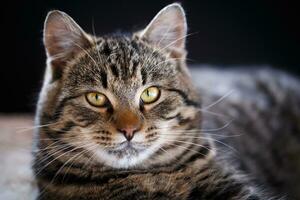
{"x": 144, "y": 76}
{"x": 103, "y": 78}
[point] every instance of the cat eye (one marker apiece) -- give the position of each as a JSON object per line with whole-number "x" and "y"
{"x": 96, "y": 99}
{"x": 150, "y": 95}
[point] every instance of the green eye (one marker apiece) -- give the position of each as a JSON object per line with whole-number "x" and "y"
{"x": 96, "y": 99}
{"x": 150, "y": 95}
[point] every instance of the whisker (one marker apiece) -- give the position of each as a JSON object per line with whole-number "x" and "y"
{"x": 202, "y": 130}
{"x": 220, "y": 128}
{"x": 59, "y": 150}
{"x": 213, "y": 113}
{"x": 89, "y": 55}
{"x": 219, "y": 100}
{"x": 72, "y": 150}
{"x": 169, "y": 153}
{"x": 210, "y": 138}
{"x": 187, "y": 148}
{"x": 183, "y": 37}
{"x": 193, "y": 133}
{"x": 74, "y": 158}
{"x": 54, "y": 152}
{"x": 161, "y": 49}
{"x": 191, "y": 143}
{"x": 50, "y": 146}
{"x": 170, "y": 59}
{"x": 24, "y": 129}
{"x": 151, "y": 55}
{"x": 94, "y": 38}
{"x": 92, "y": 156}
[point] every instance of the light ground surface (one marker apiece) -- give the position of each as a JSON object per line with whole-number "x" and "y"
{"x": 16, "y": 181}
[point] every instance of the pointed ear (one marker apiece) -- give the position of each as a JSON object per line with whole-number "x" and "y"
{"x": 63, "y": 39}
{"x": 168, "y": 30}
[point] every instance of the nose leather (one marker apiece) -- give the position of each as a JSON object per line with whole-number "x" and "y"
{"x": 128, "y": 133}
{"x": 128, "y": 123}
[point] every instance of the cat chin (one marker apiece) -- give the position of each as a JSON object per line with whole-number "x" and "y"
{"x": 125, "y": 158}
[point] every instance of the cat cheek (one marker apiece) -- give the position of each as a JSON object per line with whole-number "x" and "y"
{"x": 189, "y": 112}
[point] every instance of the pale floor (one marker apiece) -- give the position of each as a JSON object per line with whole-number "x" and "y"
{"x": 16, "y": 181}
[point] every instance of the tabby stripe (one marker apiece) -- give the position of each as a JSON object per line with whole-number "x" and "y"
{"x": 114, "y": 70}
{"x": 99, "y": 41}
{"x": 259, "y": 140}
{"x": 132, "y": 194}
{"x": 193, "y": 156}
{"x": 230, "y": 190}
{"x": 225, "y": 187}
{"x": 80, "y": 179}
{"x": 122, "y": 189}
{"x": 172, "y": 145}
{"x": 64, "y": 148}
{"x": 179, "y": 160}
{"x": 253, "y": 197}
{"x": 54, "y": 134}
{"x": 204, "y": 178}
{"x": 144, "y": 76}
{"x": 184, "y": 96}
{"x": 180, "y": 119}
{"x": 96, "y": 192}
{"x": 45, "y": 118}
{"x": 134, "y": 68}
{"x": 202, "y": 152}
{"x": 106, "y": 50}
{"x": 271, "y": 98}
{"x": 255, "y": 134}
{"x": 103, "y": 78}
{"x": 171, "y": 117}
{"x": 50, "y": 174}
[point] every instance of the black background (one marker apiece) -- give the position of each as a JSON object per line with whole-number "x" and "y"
{"x": 262, "y": 32}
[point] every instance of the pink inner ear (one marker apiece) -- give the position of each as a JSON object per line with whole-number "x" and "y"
{"x": 168, "y": 28}
{"x": 63, "y": 38}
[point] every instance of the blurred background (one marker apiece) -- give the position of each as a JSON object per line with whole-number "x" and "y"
{"x": 228, "y": 33}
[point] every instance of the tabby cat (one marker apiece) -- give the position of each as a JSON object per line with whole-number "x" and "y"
{"x": 119, "y": 118}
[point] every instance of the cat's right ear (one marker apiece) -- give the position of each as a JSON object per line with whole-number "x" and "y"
{"x": 63, "y": 39}
{"x": 168, "y": 30}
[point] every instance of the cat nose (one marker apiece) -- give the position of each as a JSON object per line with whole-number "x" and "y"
{"x": 128, "y": 123}
{"x": 128, "y": 132}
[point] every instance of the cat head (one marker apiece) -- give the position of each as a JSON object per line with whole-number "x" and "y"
{"x": 125, "y": 100}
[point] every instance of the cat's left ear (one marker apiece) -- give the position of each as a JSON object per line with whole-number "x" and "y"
{"x": 63, "y": 40}
{"x": 168, "y": 30}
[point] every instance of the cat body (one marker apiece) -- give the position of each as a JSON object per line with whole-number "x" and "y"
{"x": 260, "y": 119}
{"x": 197, "y": 181}
{"x": 120, "y": 118}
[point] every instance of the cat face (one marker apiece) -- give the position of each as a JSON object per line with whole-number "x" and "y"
{"x": 122, "y": 100}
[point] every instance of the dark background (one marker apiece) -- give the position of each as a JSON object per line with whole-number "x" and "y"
{"x": 262, "y": 32}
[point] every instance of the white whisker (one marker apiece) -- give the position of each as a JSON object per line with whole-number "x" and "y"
{"x": 219, "y": 100}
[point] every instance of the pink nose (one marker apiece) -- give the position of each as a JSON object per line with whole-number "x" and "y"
{"x": 127, "y": 122}
{"x": 128, "y": 132}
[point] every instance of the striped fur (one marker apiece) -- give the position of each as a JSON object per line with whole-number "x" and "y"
{"x": 264, "y": 126}
{"x": 79, "y": 153}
